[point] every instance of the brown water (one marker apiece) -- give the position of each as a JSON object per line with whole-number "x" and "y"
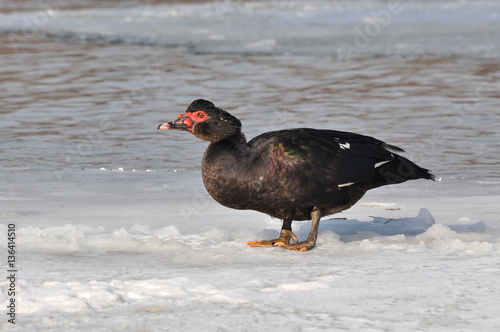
{"x": 72, "y": 105}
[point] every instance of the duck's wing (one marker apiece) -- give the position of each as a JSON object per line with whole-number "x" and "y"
{"x": 319, "y": 160}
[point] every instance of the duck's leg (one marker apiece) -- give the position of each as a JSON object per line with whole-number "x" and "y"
{"x": 313, "y": 235}
{"x": 285, "y": 236}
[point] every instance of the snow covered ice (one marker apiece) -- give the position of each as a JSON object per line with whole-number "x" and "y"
{"x": 156, "y": 259}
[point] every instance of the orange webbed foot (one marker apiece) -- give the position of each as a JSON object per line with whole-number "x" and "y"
{"x": 301, "y": 246}
{"x": 284, "y": 239}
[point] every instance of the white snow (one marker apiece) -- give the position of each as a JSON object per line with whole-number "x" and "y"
{"x": 405, "y": 258}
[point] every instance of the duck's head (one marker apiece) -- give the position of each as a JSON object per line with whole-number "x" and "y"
{"x": 205, "y": 121}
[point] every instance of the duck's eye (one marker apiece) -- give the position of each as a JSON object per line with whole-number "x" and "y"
{"x": 198, "y": 116}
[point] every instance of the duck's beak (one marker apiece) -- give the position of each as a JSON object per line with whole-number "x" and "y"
{"x": 182, "y": 123}
{"x": 166, "y": 125}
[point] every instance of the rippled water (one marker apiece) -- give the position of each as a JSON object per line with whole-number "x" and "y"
{"x": 68, "y": 105}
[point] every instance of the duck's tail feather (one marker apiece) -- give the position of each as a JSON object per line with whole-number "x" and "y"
{"x": 400, "y": 170}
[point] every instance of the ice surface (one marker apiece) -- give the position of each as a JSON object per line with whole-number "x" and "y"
{"x": 282, "y": 27}
{"x": 115, "y": 231}
{"x": 84, "y": 239}
{"x": 110, "y": 260}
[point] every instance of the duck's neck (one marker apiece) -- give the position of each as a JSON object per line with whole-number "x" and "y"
{"x": 237, "y": 141}
{"x": 218, "y": 153}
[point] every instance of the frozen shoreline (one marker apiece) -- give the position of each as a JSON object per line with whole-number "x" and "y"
{"x": 159, "y": 256}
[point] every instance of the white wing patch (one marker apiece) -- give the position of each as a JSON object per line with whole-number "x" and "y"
{"x": 381, "y": 163}
{"x": 345, "y": 184}
{"x": 345, "y": 146}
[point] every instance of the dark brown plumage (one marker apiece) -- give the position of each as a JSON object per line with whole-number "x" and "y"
{"x": 296, "y": 174}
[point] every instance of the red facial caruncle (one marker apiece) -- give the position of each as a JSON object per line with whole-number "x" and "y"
{"x": 193, "y": 118}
